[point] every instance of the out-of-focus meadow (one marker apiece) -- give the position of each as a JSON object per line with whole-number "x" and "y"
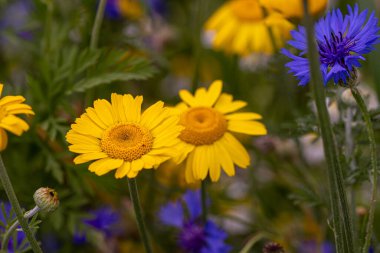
{"x": 156, "y": 48}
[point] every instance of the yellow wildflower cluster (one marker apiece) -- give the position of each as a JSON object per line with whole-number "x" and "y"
{"x": 198, "y": 131}
{"x": 255, "y": 26}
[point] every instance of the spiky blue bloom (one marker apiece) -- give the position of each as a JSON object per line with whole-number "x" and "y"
{"x": 194, "y": 236}
{"x": 105, "y": 220}
{"x": 342, "y": 41}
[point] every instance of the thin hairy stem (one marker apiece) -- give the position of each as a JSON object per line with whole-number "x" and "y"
{"x": 372, "y": 142}
{"x": 338, "y": 199}
{"x": 133, "y": 191}
{"x": 6, "y": 182}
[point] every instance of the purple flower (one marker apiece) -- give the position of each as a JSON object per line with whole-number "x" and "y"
{"x": 112, "y": 10}
{"x": 194, "y": 236}
{"x": 342, "y": 42}
{"x": 5, "y": 218}
{"x": 104, "y": 219}
{"x": 15, "y": 18}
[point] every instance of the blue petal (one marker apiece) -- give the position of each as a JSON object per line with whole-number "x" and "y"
{"x": 172, "y": 214}
{"x": 215, "y": 239}
{"x": 193, "y": 203}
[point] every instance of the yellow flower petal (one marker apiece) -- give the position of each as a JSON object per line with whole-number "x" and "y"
{"x": 137, "y": 165}
{"x": 148, "y": 118}
{"x": 10, "y": 100}
{"x": 91, "y": 113}
{"x": 230, "y": 107}
{"x": 214, "y": 92}
{"x": 105, "y": 165}
{"x": 104, "y": 111}
{"x": 243, "y": 116}
{"x": 225, "y": 159}
{"x": 84, "y": 125}
{"x": 187, "y": 97}
{"x": 82, "y": 148}
{"x": 189, "y": 173}
{"x": 89, "y": 157}
{"x": 247, "y": 127}
{"x": 237, "y": 152}
{"x": 214, "y": 164}
{"x": 123, "y": 170}
{"x": 133, "y": 108}
{"x": 3, "y": 137}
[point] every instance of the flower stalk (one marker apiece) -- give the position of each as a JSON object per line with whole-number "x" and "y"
{"x": 133, "y": 191}
{"x": 97, "y": 24}
{"x": 6, "y": 182}
{"x": 371, "y": 137}
{"x": 204, "y": 200}
{"x": 340, "y": 211}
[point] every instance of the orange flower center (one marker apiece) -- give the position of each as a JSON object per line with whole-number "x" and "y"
{"x": 126, "y": 141}
{"x": 203, "y": 126}
{"x": 247, "y": 10}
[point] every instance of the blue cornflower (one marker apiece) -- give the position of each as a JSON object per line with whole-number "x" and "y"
{"x": 194, "y": 236}
{"x": 342, "y": 41}
{"x": 104, "y": 219}
{"x": 21, "y": 243}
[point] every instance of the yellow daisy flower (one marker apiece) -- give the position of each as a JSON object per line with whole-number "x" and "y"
{"x": 9, "y": 107}
{"x": 242, "y": 27}
{"x": 294, "y": 8}
{"x": 207, "y": 142}
{"x": 117, "y": 136}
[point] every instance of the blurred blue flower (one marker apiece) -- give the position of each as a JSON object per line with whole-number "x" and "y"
{"x": 104, "y": 219}
{"x": 15, "y": 19}
{"x": 112, "y": 11}
{"x": 312, "y": 246}
{"x": 194, "y": 237}
{"x": 19, "y": 234}
{"x": 158, "y": 6}
{"x": 342, "y": 41}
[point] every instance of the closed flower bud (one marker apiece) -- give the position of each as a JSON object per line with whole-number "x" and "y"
{"x": 273, "y": 247}
{"x": 46, "y": 199}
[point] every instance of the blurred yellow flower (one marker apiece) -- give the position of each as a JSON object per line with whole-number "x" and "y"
{"x": 130, "y": 8}
{"x": 294, "y": 8}
{"x": 118, "y": 136}
{"x": 242, "y": 27}
{"x": 208, "y": 144}
{"x": 9, "y": 107}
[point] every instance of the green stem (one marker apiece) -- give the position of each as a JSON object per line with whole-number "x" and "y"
{"x": 16, "y": 207}
{"x": 248, "y": 246}
{"x": 197, "y": 45}
{"x": 12, "y": 228}
{"x": 371, "y": 137}
{"x": 338, "y": 199}
{"x": 133, "y": 191}
{"x": 204, "y": 200}
{"x": 97, "y": 24}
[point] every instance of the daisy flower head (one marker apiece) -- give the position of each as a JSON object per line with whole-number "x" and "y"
{"x": 10, "y": 106}
{"x": 342, "y": 41}
{"x": 207, "y": 142}
{"x": 242, "y": 27}
{"x": 118, "y": 136}
{"x": 294, "y": 8}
